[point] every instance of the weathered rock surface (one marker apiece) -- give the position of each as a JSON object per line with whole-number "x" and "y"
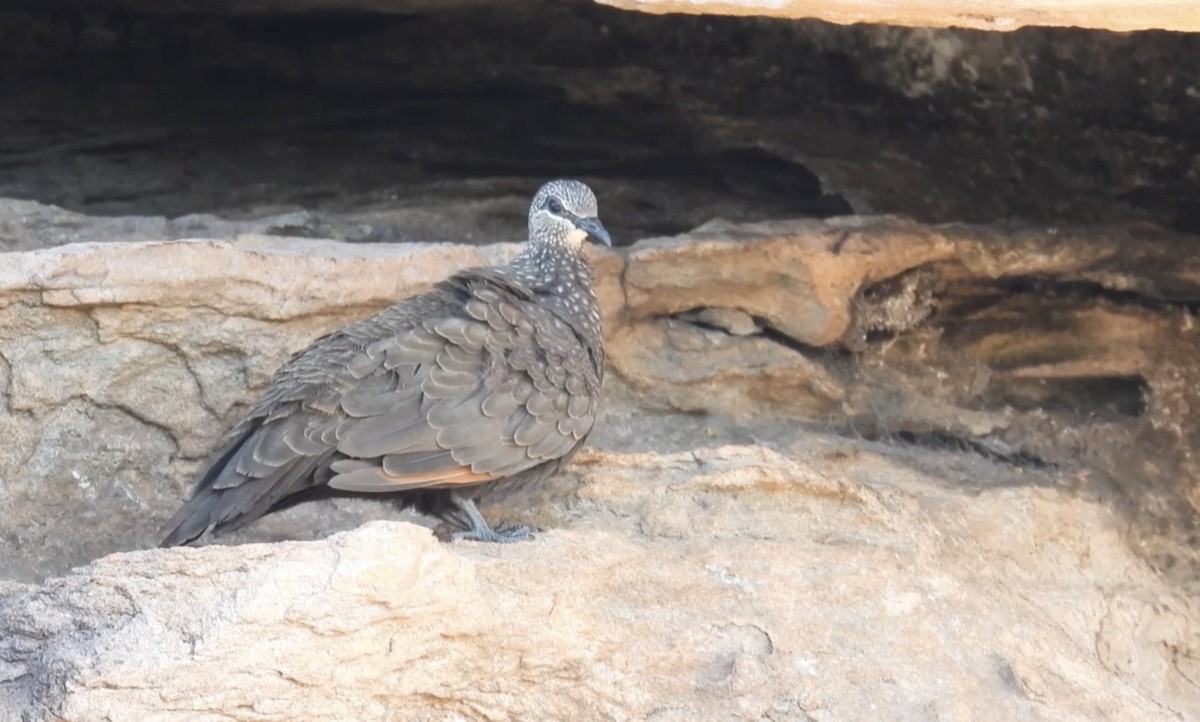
{"x": 828, "y": 583}
{"x": 765, "y": 571}
{"x": 28, "y": 226}
{"x": 120, "y": 364}
{"x": 1121, "y": 15}
{"x": 1029, "y": 551}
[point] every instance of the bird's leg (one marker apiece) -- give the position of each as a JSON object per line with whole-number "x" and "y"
{"x": 480, "y": 530}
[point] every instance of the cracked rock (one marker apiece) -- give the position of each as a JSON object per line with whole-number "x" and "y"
{"x": 729, "y": 581}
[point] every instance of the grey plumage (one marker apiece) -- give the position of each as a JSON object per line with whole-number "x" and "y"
{"x": 486, "y": 382}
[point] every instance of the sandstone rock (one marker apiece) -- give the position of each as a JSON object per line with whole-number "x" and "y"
{"x": 677, "y": 365}
{"x": 28, "y": 226}
{"x": 731, "y": 582}
{"x": 798, "y": 278}
{"x": 120, "y": 364}
{"x": 1121, "y": 15}
{"x": 1047, "y": 570}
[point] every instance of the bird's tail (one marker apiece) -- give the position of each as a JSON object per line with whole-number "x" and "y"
{"x": 225, "y": 498}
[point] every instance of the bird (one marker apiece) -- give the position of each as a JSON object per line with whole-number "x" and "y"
{"x": 488, "y": 381}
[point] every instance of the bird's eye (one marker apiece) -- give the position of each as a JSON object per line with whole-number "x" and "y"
{"x": 554, "y": 205}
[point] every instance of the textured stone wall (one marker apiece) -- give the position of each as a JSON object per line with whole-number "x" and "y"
{"x": 722, "y": 582}
{"x": 123, "y": 362}
{"x": 1120, "y": 15}
{"x": 901, "y": 404}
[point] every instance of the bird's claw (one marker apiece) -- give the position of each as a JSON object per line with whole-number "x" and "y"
{"x": 506, "y": 535}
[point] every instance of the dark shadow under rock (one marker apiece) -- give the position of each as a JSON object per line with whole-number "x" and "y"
{"x": 432, "y": 126}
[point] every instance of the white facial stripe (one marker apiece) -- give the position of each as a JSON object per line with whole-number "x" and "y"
{"x": 576, "y": 236}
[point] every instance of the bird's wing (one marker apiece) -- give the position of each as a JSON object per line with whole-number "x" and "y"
{"x": 416, "y": 397}
{"x": 465, "y": 399}
{"x": 435, "y": 401}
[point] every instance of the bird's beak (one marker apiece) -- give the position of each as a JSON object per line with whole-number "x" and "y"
{"x": 593, "y": 228}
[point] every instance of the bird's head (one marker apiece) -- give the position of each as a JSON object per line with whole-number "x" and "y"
{"x": 565, "y": 211}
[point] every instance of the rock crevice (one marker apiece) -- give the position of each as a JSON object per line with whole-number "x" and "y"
{"x": 815, "y": 577}
{"x": 932, "y": 466}
{"x": 877, "y": 327}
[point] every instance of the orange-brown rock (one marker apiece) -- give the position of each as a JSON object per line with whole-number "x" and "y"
{"x": 1121, "y": 15}
{"x": 723, "y": 582}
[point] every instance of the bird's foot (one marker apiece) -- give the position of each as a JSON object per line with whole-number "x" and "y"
{"x": 476, "y": 527}
{"x": 505, "y": 535}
